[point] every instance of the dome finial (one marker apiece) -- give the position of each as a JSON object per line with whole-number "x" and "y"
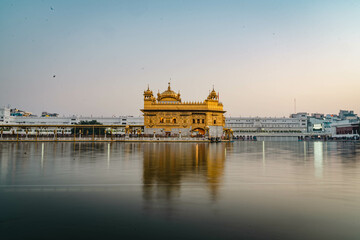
{"x": 169, "y": 85}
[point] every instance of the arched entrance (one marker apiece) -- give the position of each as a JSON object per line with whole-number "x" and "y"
{"x": 199, "y": 131}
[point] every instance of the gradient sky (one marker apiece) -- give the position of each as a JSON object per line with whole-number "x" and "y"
{"x": 260, "y": 55}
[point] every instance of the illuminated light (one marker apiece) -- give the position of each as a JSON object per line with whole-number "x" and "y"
{"x": 317, "y": 126}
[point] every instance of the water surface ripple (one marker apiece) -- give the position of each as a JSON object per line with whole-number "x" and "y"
{"x": 239, "y": 190}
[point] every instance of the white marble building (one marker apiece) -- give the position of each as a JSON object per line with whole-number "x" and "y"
{"x": 242, "y": 125}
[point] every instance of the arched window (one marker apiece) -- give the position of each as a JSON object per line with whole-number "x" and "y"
{"x": 174, "y": 120}
{"x": 161, "y": 120}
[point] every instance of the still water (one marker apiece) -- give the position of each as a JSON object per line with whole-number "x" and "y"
{"x": 240, "y": 190}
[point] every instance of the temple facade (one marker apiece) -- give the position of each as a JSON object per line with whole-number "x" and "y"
{"x": 168, "y": 115}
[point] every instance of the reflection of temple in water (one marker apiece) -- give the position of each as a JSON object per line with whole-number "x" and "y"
{"x": 168, "y": 166}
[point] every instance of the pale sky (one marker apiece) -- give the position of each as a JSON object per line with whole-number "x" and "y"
{"x": 260, "y": 55}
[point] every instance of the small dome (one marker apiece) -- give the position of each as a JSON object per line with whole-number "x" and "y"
{"x": 213, "y": 95}
{"x": 148, "y": 91}
{"x": 148, "y": 95}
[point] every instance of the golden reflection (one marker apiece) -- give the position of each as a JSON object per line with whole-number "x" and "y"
{"x": 215, "y": 167}
{"x": 167, "y": 166}
{"x": 197, "y": 155}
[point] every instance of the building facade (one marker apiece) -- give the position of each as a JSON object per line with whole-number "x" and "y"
{"x": 348, "y": 128}
{"x": 5, "y": 116}
{"x": 250, "y": 125}
{"x": 168, "y": 115}
{"x": 121, "y": 121}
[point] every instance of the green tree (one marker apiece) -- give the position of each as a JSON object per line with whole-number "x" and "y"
{"x": 89, "y": 130}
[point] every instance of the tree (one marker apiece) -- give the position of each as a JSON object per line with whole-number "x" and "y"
{"x": 89, "y": 130}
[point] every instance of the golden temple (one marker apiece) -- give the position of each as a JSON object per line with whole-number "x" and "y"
{"x": 168, "y": 115}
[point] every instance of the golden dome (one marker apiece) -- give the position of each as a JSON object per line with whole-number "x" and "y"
{"x": 148, "y": 91}
{"x": 213, "y": 95}
{"x": 148, "y": 95}
{"x": 169, "y": 95}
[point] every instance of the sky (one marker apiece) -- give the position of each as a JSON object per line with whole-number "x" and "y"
{"x": 259, "y": 55}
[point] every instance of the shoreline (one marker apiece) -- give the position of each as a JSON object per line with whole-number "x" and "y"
{"x": 105, "y": 140}
{"x": 166, "y": 141}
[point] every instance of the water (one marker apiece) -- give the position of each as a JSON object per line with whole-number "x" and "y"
{"x": 240, "y": 190}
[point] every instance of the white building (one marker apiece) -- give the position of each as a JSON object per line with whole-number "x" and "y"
{"x": 244, "y": 125}
{"x": 347, "y": 128}
{"x": 5, "y": 117}
{"x": 122, "y": 120}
